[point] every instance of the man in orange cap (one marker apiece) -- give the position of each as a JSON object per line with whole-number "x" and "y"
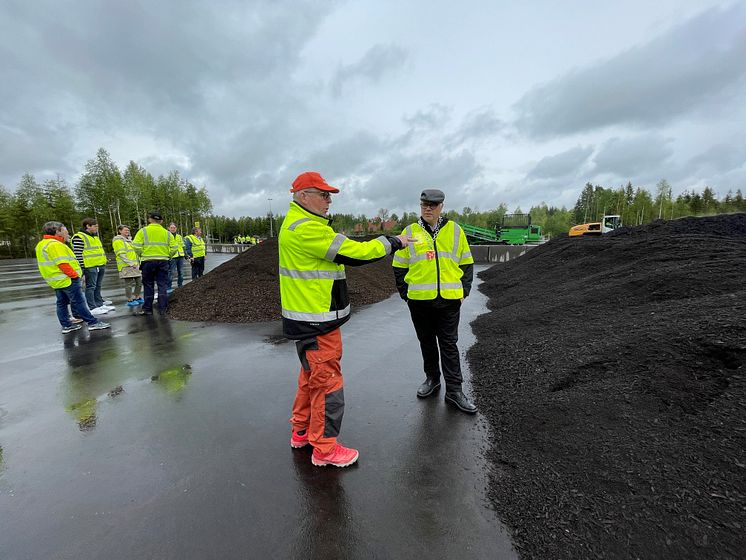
{"x": 315, "y": 304}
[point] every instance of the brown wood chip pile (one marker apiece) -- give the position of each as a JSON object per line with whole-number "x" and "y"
{"x": 611, "y": 371}
{"x": 246, "y": 288}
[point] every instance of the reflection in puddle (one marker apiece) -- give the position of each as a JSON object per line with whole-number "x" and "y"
{"x": 173, "y": 380}
{"x": 84, "y": 413}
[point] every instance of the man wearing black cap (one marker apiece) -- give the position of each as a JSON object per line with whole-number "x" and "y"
{"x": 434, "y": 275}
{"x": 155, "y": 245}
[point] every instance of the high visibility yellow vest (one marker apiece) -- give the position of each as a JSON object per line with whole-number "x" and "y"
{"x": 179, "y": 245}
{"x": 154, "y": 243}
{"x": 50, "y": 253}
{"x": 93, "y": 250}
{"x": 313, "y": 288}
{"x": 198, "y": 245}
{"x": 125, "y": 252}
{"x": 434, "y": 266}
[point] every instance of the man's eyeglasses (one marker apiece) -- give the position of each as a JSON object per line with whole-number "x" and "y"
{"x": 429, "y": 204}
{"x": 324, "y": 195}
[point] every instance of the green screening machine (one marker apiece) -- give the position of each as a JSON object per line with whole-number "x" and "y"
{"x": 516, "y": 229}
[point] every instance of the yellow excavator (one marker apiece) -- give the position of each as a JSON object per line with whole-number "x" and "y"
{"x": 607, "y": 224}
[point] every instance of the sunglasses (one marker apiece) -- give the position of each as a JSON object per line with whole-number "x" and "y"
{"x": 324, "y": 195}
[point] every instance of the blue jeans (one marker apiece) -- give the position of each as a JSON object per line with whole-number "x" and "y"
{"x": 94, "y": 276}
{"x": 176, "y": 265}
{"x": 155, "y": 272}
{"x": 72, "y": 296}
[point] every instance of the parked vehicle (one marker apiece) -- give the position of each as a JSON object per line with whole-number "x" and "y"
{"x": 608, "y": 223}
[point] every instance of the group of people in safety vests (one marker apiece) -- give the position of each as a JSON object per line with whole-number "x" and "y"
{"x": 154, "y": 257}
{"x": 246, "y": 240}
{"x": 432, "y": 270}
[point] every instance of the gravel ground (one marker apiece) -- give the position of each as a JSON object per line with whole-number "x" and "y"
{"x": 611, "y": 372}
{"x": 246, "y": 289}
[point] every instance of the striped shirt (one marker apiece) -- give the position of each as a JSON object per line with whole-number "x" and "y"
{"x": 78, "y": 245}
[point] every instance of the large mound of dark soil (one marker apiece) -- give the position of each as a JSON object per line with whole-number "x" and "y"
{"x": 246, "y": 288}
{"x": 611, "y": 371}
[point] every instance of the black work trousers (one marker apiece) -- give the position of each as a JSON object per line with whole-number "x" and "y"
{"x": 436, "y": 324}
{"x": 155, "y": 272}
{"x": 198, "y": 267}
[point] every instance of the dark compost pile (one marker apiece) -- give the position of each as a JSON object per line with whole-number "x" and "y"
{"x": 611, "y": 372}
{"x": 246, "y": 288}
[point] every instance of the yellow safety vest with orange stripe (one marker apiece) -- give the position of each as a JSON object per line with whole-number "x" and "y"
{"x": 50, "y": 253}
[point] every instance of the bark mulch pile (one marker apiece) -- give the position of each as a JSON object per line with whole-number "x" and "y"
{"x": 611, "y": 371}
{"x": 246, "y": 288}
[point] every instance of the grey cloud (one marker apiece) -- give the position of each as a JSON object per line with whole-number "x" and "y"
{"x": 378, "y": 61}
{"x": 398, "y": 180}
{"x": 198, "y": 74}
{"x": 36, "y": 149}
{"x": 721, "y": 157}
{"x": 358, "y": 153}
{"x": 434, "y": 117}
{"x": 566, "y": 163}
{"x": 693, "y": 66}
{"x": 642, "y": 155}
{"x": 477, "y": 126}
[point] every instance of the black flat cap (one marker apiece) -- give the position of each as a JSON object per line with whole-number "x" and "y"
{"x": 432, "y": 195}
{"x": 155, "y": 215}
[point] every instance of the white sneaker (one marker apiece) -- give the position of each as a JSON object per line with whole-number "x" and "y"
{"x": 109, "y": 307}
{"x": 99, "y": 311}
{"x": 108, "y": 302}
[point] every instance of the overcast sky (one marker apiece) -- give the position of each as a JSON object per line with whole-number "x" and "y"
{"x": 491, "y": 101}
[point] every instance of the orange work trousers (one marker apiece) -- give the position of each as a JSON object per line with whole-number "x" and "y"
{"x": 320, "y": 402}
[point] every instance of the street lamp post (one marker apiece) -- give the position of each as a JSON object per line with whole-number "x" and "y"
{"x": 271, "y": 224}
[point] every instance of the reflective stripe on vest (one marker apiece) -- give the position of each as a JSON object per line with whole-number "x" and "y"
{"x": 93, "y": 250}
{"x": 124, "y": 251}
{"x": 313, "y": 274}
{"x": 429, "y": 277}
{"x": 334, "y": 247}
{"x": 154, "y": 243}
{"x": 179, "y": 244}
{"x": 316, "y": 317}
{"x": 48, "y": 266}
{"x": 198, "y": 246}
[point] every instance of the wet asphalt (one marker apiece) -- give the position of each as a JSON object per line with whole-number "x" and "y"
{"x": 169, "y": 439}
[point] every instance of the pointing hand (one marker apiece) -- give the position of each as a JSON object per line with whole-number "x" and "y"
{"x": 406, "y": 240}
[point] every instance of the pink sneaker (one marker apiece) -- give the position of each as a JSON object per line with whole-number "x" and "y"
{"x": 340, "y": 456}
{"x": 299, "y": 441}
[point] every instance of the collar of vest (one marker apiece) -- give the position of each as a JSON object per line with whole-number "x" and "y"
{"x": 57, "y": 237}
{"x": 296, "y": 208}
{"x": 429, "y": 228}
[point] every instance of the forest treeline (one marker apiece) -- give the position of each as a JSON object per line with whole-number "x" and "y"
{"x": 103, "y": 192}
{"x": 114, "y": 197}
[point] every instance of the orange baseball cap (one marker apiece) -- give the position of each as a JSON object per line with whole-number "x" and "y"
{"x": 312, "y": 180}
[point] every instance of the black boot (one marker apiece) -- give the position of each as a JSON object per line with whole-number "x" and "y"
{"x": 428, "y": 387}
{"x": 461, "y": 401}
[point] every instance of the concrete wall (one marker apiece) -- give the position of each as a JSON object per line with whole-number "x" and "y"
{"x": 226, "y": 248}
{"x": 498, "y": 253}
